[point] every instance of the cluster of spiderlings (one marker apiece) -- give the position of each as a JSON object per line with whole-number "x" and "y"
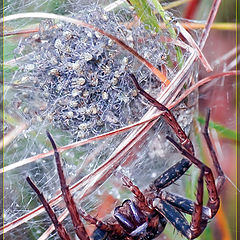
{"x": 83, "y": 76}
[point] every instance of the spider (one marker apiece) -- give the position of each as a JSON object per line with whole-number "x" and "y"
{"x": 146, "y": 216}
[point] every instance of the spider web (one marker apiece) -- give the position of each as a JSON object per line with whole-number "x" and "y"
{"x": 29, "y": 104}
{"x": 25, "y": 105}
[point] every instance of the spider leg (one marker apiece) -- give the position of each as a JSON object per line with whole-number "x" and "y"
{"x": 133, "y": 188}
{"x": 221, "y": 177}
{"x": 99, "y": 224}
{"x": 74, "y": 213}
{"x": 171, "y": 210}
{"x": 168, "y": 117}
{"x": 58, "y": 226}
{"x": 213, "y": 202}
{"x": 199, "y": 218}
{"x": 78, "y": 225}
{"x": 173, "y": 216}
{"x": 165, "y": 179}
{"x": 169, "y": 205}
{"x": 136, "y": 191}
{"x": 182, "y": 204}
{"x": 200, "y": 214}
{"x": 198, "y": 224}
{"x": 213, "y": 199}
{"x": 172, "y": 174}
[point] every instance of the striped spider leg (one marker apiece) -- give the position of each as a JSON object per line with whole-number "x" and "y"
{"x": 74, "y": 212}
{"x": 168, "y": 117}
{"x": 214, "y": 187}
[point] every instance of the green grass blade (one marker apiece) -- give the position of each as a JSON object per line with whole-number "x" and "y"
{"x": 144, "y": 12}
{"x": 166, "y": 19}
{"x": 146, "y": 15}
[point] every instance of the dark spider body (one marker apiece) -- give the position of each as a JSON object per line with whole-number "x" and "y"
{"x": 143, "y": 222}
{"x": 146, "y": 216}
{"x": 135, "y": 224}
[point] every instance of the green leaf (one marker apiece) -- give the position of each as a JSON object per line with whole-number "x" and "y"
{"x": 144, "y": 12}
{"x": 166, "y": 19}
{"x": 146, "y": 15}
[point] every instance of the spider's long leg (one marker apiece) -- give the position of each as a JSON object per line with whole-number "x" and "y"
{"x": 214, "y": 201}
{"x": 74, "y": 213}
{"x": 170, "y": 209}
{"x": 78, "y": 225}
{"x": 168, "y": 117}
{"x": 172, "y": 174}
{"x": 221, "y": 177}
{"x": 170, "y": 205}
{"x": 198, "y": 224}
{"x": 182, "y": 204}
{"x": 173, "y": 216}
{"x": 58, "y": 226}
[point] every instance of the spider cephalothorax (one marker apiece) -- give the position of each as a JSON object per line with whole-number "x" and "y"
{"x": 145, "y": 216}
{"x": 135, "y": 223}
